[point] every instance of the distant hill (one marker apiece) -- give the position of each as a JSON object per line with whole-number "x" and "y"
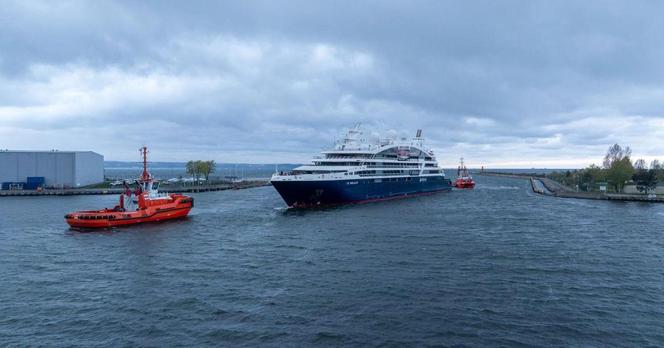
{"x": 121, "y": 164}
{"x": 176, "y": 165}
{"x": 165, "y": 170}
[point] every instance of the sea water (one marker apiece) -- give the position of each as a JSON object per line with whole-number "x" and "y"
{"x": 493, "y": 266}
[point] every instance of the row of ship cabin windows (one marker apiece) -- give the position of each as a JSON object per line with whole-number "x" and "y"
{"x": 392, "y": 172}
{"x": 367, "y": 172}
{"x": 379, "y": 156}
{"x": 371, "y": 164}
{"x": 362, "y": 155}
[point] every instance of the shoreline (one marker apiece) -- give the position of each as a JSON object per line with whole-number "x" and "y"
{"x": 555, "y": 189}
{"x": 117, "y": 191}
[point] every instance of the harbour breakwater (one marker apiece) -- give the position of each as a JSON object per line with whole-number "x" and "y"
{"x": 547, "y": 187}
{"x": 117, "y": 191}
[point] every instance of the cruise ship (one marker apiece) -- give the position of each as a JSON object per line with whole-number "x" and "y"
{"x": 358, "y": 170}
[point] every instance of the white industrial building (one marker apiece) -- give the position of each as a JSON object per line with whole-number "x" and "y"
{"x": 59, "y": 168}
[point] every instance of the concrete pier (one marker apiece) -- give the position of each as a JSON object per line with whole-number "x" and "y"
{"x": 538, "y": 187}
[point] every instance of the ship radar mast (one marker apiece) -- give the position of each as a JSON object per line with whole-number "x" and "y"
{"x": 353, "y": 138}
{"x": 418, "y": 140}
{"x": 354, "y": 133}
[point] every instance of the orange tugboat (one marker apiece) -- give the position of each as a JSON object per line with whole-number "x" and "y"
{"x": 144, "y": 204}
{"x": 464, "y": 180}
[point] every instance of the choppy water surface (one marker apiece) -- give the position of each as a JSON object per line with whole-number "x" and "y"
{"x": 494, "y": 266}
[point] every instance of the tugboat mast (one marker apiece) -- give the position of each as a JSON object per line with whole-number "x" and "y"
{"x": 461, "y": 171}
{"x": 146, "y": 175}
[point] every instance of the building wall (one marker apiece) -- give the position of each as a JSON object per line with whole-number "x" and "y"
{"x": 71, "y": 169}
{"x": 89, "y": 168}
{"x": 8, "y": 166}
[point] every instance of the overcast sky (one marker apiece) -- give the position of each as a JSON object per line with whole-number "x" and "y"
{"x": 501, "y": 83}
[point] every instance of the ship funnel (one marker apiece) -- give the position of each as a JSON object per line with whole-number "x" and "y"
{"x": 419, "y": 133}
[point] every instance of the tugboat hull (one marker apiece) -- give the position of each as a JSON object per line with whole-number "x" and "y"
{"x": 464, "y": 184}
{"x": 178, "y": 207}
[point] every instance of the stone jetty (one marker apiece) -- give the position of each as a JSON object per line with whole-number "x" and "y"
{"x": 548, "y": 187}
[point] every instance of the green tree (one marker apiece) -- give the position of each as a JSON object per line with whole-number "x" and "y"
{"x": 597, "y": 174}
{"x": 640, "y": 165}
{"x": 645, "y": 180}
{"x": 200, "y": 170}
{"x": 616, "y": 153}
{"x": 586, "y": 180}
{"x": 191, "y": 168}
{"x": 658, "y": 168}
{"x": 619, "y": 172}
{"x": 209, "y": 168}
{"x": 195, "y": 169}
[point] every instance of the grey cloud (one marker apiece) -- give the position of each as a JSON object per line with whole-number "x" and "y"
{"x": 485, "y": 79}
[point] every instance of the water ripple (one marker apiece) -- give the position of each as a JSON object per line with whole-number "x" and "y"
{"x": 495, "y": 266}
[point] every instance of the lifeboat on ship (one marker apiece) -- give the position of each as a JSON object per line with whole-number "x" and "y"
{"x": 142, "y": 204}
{"x": 463, "y": 180}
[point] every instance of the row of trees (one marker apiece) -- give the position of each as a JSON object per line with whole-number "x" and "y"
{"x": 199, "y": 169}
{"x": 617, "y": 169}
{"x": 645, "y": 178}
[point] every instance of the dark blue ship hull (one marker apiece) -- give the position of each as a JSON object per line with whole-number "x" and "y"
{"x": 314, "y": 193}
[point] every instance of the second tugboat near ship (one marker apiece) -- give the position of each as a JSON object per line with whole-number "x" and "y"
{"x": 358, "y": 170}
{"x": 464, "y": 180}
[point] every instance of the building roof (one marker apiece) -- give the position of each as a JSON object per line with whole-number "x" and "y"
{"x": 44, "y": 151}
